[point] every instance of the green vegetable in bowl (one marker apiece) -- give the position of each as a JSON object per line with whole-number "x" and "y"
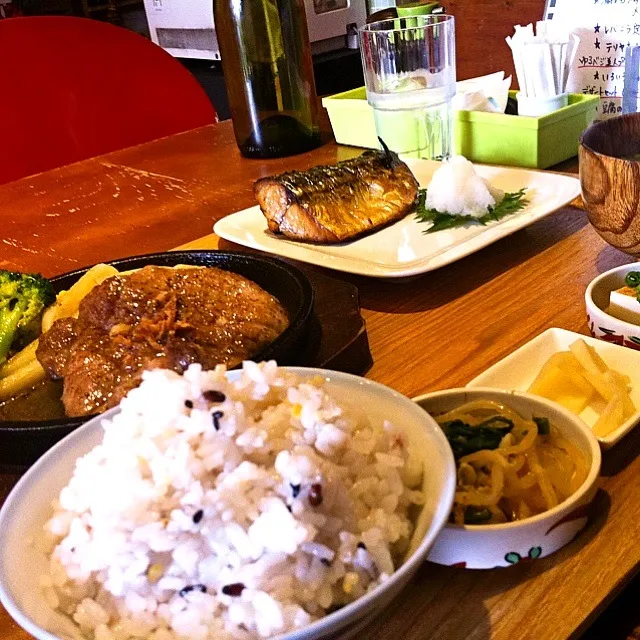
{"x": 465, "y": 439}
{"x": 476, "y": 515}
{"x": 632, "y": 280}
{"x": 544, "y": 428}
{"x": 511, "y": 203}
{"x": 23, "y": 298}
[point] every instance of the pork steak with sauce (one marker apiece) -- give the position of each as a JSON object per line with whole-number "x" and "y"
{"x": 156, "y": 317}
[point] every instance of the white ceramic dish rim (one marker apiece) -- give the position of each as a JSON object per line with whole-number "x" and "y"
{"x": 485, "y": 236}
{"x": 338, "y": 618}
{"x": 627, "y": 327}
{"x": 592, "y": 475}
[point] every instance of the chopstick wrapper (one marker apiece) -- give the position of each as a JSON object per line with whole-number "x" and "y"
{"x": 542, "y": 62}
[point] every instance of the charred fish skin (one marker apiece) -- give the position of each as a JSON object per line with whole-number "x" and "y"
{"x": 334, "y": 203}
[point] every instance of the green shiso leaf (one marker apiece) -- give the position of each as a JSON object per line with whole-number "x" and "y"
{"x": 511, "y": 203}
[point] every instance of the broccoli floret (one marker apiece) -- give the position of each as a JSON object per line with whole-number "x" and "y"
{"x": 23, "y": 297}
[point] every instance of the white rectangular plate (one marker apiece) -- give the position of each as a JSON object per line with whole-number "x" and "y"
{"x": 402, "y": 249}
{"x": 518, "y": 370}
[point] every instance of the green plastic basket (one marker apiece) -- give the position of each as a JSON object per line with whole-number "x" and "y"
{"x": 490, "y": 138}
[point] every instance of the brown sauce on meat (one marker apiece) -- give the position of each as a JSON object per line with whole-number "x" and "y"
{"x": 156, "y": 317}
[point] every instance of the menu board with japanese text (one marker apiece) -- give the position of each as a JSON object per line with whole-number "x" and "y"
{"x": 607, "y": 29}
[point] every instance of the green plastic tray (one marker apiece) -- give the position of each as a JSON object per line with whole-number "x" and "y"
{"x": 491, "y": 138}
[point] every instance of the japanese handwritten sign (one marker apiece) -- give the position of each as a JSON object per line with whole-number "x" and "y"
{"x": 607, "y": 29}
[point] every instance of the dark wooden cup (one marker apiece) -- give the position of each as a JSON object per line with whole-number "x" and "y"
{"x": 609, "y": 158}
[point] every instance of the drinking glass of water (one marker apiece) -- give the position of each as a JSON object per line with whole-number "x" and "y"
{"x": 410, "y": 74}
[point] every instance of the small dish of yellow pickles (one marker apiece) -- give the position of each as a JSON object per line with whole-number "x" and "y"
{"x": 595, "y": 380}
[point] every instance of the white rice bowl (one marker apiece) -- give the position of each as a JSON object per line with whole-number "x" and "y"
{"x": 243, "y": 515}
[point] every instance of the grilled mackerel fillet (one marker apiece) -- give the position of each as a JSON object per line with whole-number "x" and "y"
{"x": 338, "y": 202}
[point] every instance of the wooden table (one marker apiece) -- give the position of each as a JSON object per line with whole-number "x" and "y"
{"x": 433, "y": 332}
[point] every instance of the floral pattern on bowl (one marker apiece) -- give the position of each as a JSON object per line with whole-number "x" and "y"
{"x": 579, "y": 515}
{"x": 609, "y": 335}
{"x": 513, "y": 557}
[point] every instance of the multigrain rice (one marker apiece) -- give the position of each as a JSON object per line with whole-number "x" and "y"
{"x": 217, "y": 509}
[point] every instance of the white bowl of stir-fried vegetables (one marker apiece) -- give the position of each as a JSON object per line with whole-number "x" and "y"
{"x": 526, "y": 476}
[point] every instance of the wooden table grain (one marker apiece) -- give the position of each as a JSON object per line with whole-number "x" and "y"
{"x": 432, "y": 332}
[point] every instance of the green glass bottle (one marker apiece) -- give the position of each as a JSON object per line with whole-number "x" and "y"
{"x": 268, "y": 72}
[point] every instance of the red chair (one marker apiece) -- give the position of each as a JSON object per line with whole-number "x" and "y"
{"x": 74, "y": 88}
